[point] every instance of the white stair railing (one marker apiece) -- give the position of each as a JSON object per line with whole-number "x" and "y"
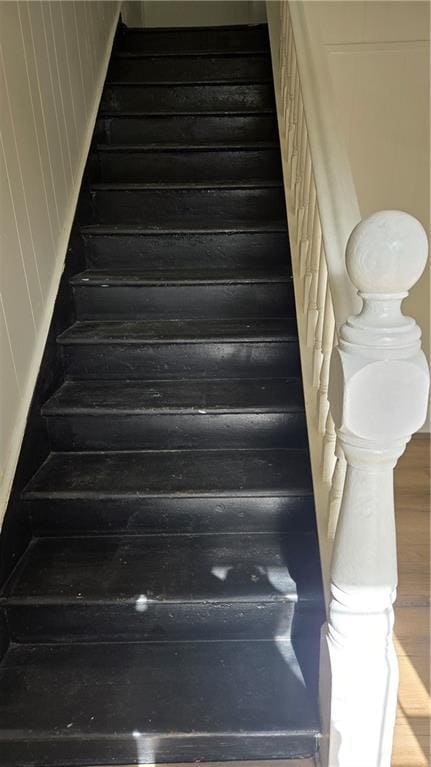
{"x": 378, "y": 394}
{"x": 365, "y": 385}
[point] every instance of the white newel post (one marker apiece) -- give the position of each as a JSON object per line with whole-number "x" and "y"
{"x": 378, "y": 394}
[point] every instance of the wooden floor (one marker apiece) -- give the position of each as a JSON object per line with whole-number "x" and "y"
{"x": 412, "y": 615}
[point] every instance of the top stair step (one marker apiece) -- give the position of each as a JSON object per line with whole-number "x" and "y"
{"x": 186, "y": 69}
{"x": 169, "y": 42}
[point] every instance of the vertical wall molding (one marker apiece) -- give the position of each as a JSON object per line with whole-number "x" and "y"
{"x": 54, "y": 60}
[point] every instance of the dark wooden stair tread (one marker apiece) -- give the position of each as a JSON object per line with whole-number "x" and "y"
{"x": 153, "y": 701}
{"x": 195, "y": 204}
{"x": 214, "y": 166}
{"x": 111, "y": 113}
{"x": 194, "y": 40}
{"x": 203, "y": 228}
{"x": 173, "y": 472}
{"x": 229, "y": 67}
{"x": 179, "y": 331}
{"x": 193, "y": 53}
{"x": 224, "y": 396}
{"x": 222, "y": 146}
{"x": 190, "y": 55}
{"x": 179, "y": 82}
{"x": 185, "y": 185}
{"x": 180, "y": 277}
{"x": 240, "y": 130}
{"x": 204, "y": 53}
{"x": 142, "y": 570}
{"x": 188, "y": 98}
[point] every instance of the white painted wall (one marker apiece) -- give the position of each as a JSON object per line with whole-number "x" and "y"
{"x": 191, "y": 13}
{"x": 53, "y": 60}
{"x": 378, "y": 54}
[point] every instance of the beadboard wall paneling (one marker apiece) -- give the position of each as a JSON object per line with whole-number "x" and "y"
{"x": 53, "y": 60}
{"x": 192, "y": 13}
{"x": 378, "y": 54}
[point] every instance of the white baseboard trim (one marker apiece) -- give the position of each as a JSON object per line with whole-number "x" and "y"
{"x": 8, "y": 474}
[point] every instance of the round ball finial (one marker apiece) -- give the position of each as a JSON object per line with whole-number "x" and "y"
{"x": 387, "y": 252}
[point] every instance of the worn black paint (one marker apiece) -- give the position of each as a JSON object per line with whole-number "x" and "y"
{"x": 184, "y": 130}
{"x": 133, "y": 515}
{"x": 117, "y": 690}
{"x": 184, "y": 99}
{"x": 206, "y": 40}
{"x": 215, "y": 164}
{"x": 194, "y": 69}
{"x": 182, "y": 295}
{"x": 186, "y": 204}
{"x": 118, "y": 247}
{"x": 137, "y": 588}
{"x": 163, "y": 505}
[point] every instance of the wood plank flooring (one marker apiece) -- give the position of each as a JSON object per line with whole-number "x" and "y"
{"x": 412, "y": 614}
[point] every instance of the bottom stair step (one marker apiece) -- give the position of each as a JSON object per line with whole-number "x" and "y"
{"x": 92, "y": 704}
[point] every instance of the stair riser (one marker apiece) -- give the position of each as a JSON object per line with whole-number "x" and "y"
{"x": 186, "y": 129}
{"x": 182, "y": 360}
{"x": 190, "y": 69}
{"x": 227, "y": 39}
{"x": 186, "y": 207}
{"x": 171, "y": 251}
{"x": 171, "y": 514}
{"x": 138, "y": 99}
{"x": 184, "y": 302}
{"x": 133, "y": 621}
{"x": 171, "y": 432}
{"x": 186, "y": 165}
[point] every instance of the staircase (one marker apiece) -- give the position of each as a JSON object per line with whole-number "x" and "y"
{"x": 168, "y": 605}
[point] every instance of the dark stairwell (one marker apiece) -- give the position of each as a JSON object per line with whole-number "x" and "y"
{"x": 162, "y": 598}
